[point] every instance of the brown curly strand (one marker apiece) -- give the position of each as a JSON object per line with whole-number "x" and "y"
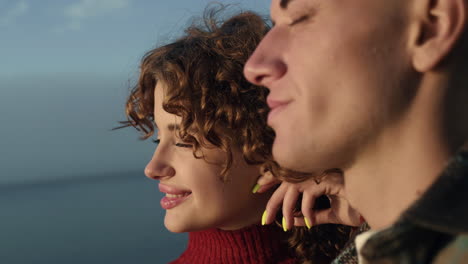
{"x": 320, "y": 244}
{"x": 319, "y": 247}
{"x": 203, "y": 73}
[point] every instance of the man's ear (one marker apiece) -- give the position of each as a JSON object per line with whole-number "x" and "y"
{"x": 439, "y": 25}
{"x": 265, "y": 182}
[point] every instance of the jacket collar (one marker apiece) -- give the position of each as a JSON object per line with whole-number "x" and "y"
{"x": 444, "y": 206}
{"x": 430, "y": 223}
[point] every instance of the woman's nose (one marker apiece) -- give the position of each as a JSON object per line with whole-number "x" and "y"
{"x": 158, "y": 169}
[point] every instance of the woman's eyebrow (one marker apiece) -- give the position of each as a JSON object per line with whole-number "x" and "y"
{"x": 173, "y": 127}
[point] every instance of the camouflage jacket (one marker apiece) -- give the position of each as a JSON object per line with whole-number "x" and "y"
{"x": 433, "y": 230}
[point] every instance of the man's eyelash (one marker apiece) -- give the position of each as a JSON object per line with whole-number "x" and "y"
{"x": 299, "y": 20}
{"x": 156, "y": 141}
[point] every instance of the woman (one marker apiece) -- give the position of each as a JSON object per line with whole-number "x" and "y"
{"x": 213, "y": 143}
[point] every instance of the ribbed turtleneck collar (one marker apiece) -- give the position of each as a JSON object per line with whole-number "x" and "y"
{"x": 254, "y": 244}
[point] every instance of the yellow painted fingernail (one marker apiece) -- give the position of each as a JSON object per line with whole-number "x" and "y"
{"x": 285, "y": 226}
{"x": 264, "y": 217}
{"x": 307, "y": 222}
{"x": 256, "y": 188}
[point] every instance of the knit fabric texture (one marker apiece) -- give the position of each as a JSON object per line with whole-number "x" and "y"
{"x": 254, "y": 244}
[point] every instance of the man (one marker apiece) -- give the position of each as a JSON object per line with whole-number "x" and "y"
{"x": 380, "y": 90}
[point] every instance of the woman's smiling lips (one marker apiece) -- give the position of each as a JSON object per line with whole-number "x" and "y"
{"x": 173, "y": 197}
{"x": 275, "y": 107}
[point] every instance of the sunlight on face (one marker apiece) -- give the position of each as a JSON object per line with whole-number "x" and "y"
{"x": 196, "y": 196}
{"x": 329, "y": 90}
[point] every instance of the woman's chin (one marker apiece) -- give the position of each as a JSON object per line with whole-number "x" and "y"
{"x": 176, "y": 228}
{"x": 179, "y": 225}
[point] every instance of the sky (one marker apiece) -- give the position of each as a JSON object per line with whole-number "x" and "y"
{"x": 66, "y": 68}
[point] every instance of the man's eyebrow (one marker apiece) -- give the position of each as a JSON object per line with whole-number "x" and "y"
{"x": 284, "y": 3}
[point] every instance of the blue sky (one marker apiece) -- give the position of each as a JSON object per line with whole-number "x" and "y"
{"x": 91, "y": 35}
{"x": 65, "y": 71}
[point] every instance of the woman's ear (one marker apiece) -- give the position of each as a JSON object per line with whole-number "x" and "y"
{"x": 265, "y": 182}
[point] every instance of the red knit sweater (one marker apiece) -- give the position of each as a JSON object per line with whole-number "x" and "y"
{"x": 255, "y": 244}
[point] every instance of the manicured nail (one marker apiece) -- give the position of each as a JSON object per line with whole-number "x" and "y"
{"x": 264, "y": 217}
{"x": 255, "y": 188}
{"x": 285, "y": 226}
{"x": 307, "y": 222}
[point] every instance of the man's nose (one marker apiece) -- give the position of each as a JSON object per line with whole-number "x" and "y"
{"x": 265, "y": 65}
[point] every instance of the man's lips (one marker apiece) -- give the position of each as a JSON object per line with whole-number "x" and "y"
{"x": 174, "y": 196}
{"x": 275, "y": 107}
{"x": 272, "y": 103}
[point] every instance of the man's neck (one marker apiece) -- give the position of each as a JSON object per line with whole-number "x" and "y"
{"x": 392, "y": 180}
{"x": 401, "y": 164}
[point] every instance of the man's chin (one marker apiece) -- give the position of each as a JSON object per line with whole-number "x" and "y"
{"x": 285, "y": 155}
{"x": 296, "y": 159}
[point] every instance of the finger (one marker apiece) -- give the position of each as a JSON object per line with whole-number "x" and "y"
{"x": 289, "y": 203}
{"x": 299, "y": 221}
{"x": 265, "y": 182}
{"x": 267, "y": 178}
{"x": 268, "y": 186}
{"x": 326, "y": 216}
{"x": 274, "y": 204}
{"x": 308, "y": 201}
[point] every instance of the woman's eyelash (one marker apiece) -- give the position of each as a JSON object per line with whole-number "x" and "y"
{"x": 182, "y": 145}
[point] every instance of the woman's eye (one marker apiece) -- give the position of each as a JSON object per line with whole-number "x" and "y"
{"x": 182, "y": 145}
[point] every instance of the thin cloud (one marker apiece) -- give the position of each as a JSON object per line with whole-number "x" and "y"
{"x": 78, "y": 12}
{"x": 17, "y": 10}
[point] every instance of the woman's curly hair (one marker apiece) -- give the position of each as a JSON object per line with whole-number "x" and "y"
{"x": 203, "y": 75}
{"x": 206, "y": 88}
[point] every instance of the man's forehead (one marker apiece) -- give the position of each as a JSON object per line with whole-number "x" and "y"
{"x": 279, "y": 8}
